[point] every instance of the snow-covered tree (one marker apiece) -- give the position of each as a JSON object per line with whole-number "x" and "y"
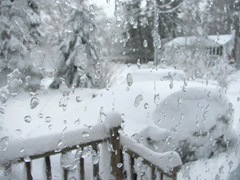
{"x": 78, "y": 62}
{"x": 19, "y": 34}
{"x": 147, "y": 23}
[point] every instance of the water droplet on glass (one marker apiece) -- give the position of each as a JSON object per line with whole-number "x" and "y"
{"x": 40, "y": 115}
{"x": 157, "y": 99}
{"x": 72, "y": 178}
{"x": 22, "y": 150}
{"x": 63, "y": 102}
{"x": 63, "y": 131}
{"x": 129, "y": 79}
{"x": 27, "y": 119}
{"x": 119, "y": 165}
{"x": 103, "y": 117}
{"x": 77, "y": 122}
{"x": 2, "y": 111}
{"x": 60, "y": 143}
{"x": 91, "y": 7}
{"x": 28, "y": 79}
{"x": 238, "y": 99}
{"x": 68, "y": 161}
{"x": 138, "y": 63}
{"x": 145, "y": 43}
{"x": 146, "y": 106}
{"x": 34, "y": 102}
{"x": 95, "y": 157}
{"x": 48, "y": 119}
{"x": 50, "y": 127}
{"x": 123, "y": 116}
{"x": 138, "y": 100}
{"x": 4, "y": 143}
{"x": 78, "y": 99}
{"x": 86, "y": 134}
{"x": 18, "y": 132}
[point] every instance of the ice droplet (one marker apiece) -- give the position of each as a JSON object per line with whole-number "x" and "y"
{"x": 27, "y": 119}
{"x": 34, "y": 102}
{"x": 138, "y": 100}
{"x": 4, "y": 143}
{"x": 129, "y": 79}
{"x": 145, "y": 43}
{"x": 48, "y": 119}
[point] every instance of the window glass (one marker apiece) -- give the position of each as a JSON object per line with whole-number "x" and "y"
{"x": 119, "y": 89}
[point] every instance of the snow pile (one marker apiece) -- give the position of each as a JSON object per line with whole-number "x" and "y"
{"x": 166, "y": 162}
{"x": 197, "y": 123}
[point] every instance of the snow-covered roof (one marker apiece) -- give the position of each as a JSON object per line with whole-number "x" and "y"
{"x": 212, "y": 40}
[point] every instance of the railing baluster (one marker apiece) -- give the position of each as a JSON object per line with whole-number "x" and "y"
{"x": 153, "y": 172}
{"x": 28, "y": 170}
{"x": 133, "y": 175}
{"x": 48, "y": 168}
{"x": 95, "y": 166}
{"x": 116, "y": 155}
{"x": 65, "y": 174}
{"x": 81, "y": 164}
{"x": 161, "y": 176}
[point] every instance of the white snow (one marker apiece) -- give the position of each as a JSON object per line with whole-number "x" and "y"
{"x": 211, "y": 40}
{"x": 85, "y": 109}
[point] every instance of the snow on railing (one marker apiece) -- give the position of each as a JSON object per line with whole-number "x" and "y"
{"x": 162, "y": 165}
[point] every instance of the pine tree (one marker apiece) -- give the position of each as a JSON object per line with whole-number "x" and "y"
{"x": 147, "y": 23}
{"x": 78, "y": 62}
{"x": 19, "y": 34}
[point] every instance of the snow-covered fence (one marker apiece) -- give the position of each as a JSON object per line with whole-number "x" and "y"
{"x": 162, "y": 165}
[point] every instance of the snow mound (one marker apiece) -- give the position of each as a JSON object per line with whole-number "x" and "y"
{"x": 196, "y": 123}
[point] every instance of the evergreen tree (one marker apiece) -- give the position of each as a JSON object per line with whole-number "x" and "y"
{"x": 78, "y": 62}
{"x": 19, "y": 34}
{"x": 147, "y": 23}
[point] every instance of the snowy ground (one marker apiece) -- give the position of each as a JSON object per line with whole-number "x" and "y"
{"x": 51, "y": 113}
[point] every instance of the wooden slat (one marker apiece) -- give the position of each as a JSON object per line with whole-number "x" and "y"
{"x": 116, "y": 155}
{"x": 153, "y": 172}
{"x": 81, "y": 164}
{"x": 48, "y": 168}
{"x": 65, "y": 174}
{"x": 95, "y": 166}
{"x": 28, "y": 170}
{"x": 133, "y": 175}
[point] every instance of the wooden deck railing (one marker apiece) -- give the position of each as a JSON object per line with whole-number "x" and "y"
{"x": 160, "y": 165}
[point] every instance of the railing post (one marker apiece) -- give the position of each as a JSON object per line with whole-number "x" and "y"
{"x": 116, "y": 155}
